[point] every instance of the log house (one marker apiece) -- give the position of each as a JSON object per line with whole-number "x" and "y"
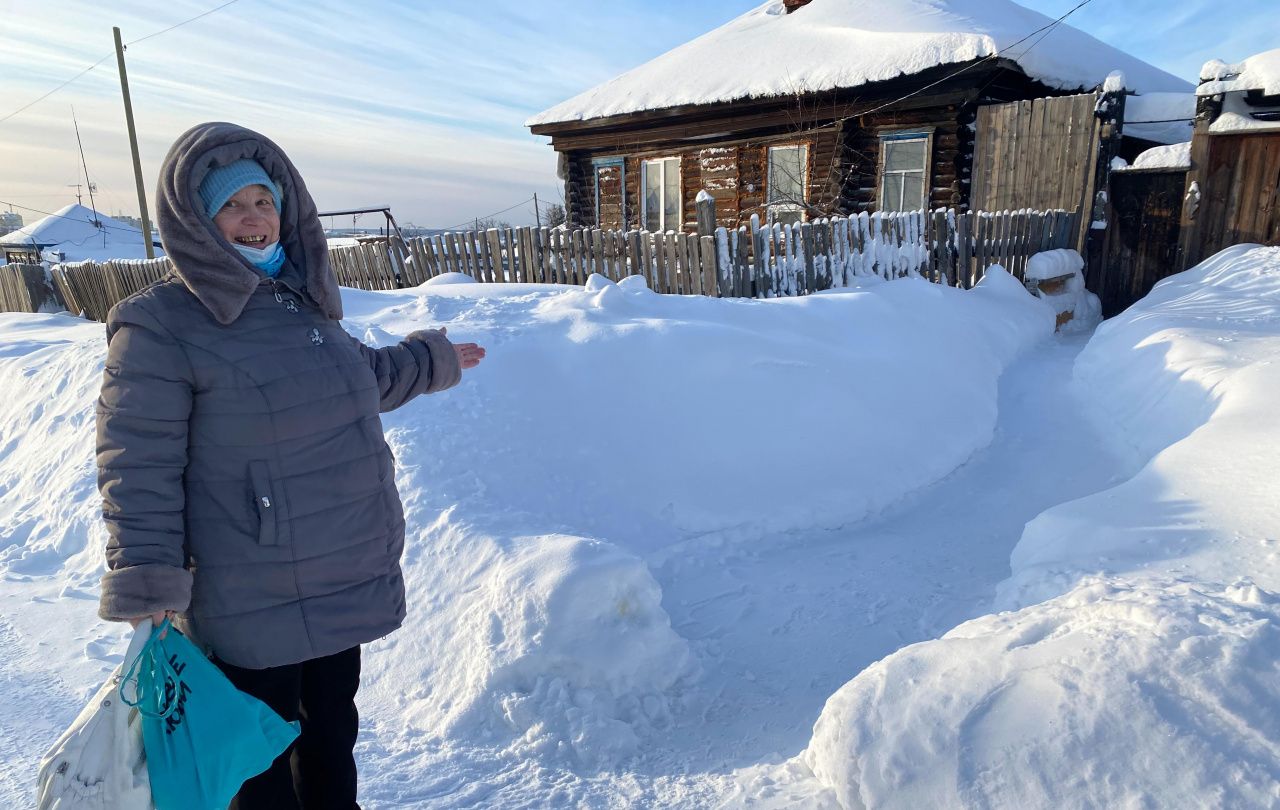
{"x": 837, "y": 140}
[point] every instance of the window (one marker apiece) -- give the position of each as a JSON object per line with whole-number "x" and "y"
{"x": 660, "y": 202}
{"x": 788, "y": 172}
{"x": 904, "y": 171}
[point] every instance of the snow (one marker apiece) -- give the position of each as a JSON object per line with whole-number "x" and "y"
{"x": 1174, "y": 157}
{"x": 449, "y": 278}
{"x": 1237, "y": 116}
{"x": 1137, "y": 663}
{"x": 1114, "y": 83}
{"x": 652, "y": 539}
{"x": 1118, "y": 694}
{"x": 1259, "y": 72}
{"x": 1078, "y": 310}
{"x": 1160, "y": 117}
{"x": 832, "y": 44}
{"x": 69, "y": 235}
{"x": 1049, "y": 264}
{"x": 611, "y": 434}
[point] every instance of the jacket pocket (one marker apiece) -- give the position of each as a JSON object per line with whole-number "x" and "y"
{"x": 265, "y": 501}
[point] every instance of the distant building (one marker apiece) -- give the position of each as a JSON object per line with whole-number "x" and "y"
{"x": 74, "y": 233}
{"x": 9, "y": 222}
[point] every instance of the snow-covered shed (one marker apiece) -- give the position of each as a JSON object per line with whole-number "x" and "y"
{"x": 74, "y": 233}
{"x": 803, "y": 107}
{"x": 1233, "y": 186}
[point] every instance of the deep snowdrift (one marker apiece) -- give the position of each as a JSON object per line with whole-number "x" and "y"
{"x": 609, "y": 428}
{"x": 1151, "y": 676}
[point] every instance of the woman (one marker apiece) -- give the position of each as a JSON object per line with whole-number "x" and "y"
{"x": 247, "y": 487}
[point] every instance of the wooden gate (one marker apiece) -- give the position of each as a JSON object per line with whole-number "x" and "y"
{"x": 1233, "y": 193}
{"x": 1039, "y": 154}
{"x": 1142, "y": 237}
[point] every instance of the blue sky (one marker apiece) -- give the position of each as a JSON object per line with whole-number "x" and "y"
{"x": 417, "y": 105}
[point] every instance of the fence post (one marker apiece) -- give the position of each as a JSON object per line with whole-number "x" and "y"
{"x": 1109, "y": 110}
{"x": 705, "y": 205}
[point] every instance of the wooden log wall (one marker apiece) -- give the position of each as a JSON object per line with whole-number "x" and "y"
{"x": 949, "y": 158}
{"x": 609, "y": 184}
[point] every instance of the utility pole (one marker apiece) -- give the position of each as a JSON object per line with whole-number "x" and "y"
{"x": 133, "y": 146}
{"x": 537, "y": 212}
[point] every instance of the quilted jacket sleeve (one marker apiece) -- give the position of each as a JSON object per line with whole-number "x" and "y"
{"x": 142, "y": 415}
{"x": 422, "y": 363}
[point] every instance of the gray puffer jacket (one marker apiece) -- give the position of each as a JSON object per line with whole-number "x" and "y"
{"x": 241, "y": 460}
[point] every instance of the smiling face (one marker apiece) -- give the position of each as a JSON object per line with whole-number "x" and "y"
{"x": 249, "y": 218}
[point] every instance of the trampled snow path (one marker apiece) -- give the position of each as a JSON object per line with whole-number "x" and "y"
{"x": 779, "y": 629}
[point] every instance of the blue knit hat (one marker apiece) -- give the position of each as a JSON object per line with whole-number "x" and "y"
{"x": 222, "y": 183}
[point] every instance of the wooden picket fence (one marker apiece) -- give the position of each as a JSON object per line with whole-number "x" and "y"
{"x": 751, "y": 261}
{"x": 93, "y": 288}
{"x": 26, "y": 288}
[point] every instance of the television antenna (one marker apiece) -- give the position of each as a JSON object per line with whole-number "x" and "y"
{"x": 97, "y": 223}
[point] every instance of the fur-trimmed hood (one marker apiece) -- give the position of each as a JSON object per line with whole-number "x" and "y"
{"x": 206, "y": 262}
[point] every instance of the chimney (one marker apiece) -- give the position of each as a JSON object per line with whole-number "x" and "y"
{"x": 792, "y": 5}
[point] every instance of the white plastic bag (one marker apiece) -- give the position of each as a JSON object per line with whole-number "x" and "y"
{"x": 98, "y": 763}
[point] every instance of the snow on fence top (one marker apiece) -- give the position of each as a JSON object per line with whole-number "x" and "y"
{"x": 1173, "y": 157}
{"x": 1259, "y": 72}
{"x": 830, "y": 44}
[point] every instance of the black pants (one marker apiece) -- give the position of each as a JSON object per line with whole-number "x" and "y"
{"x": 318, "y": 771}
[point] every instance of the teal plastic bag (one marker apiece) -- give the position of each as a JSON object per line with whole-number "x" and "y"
{"x": 203, "y": 737}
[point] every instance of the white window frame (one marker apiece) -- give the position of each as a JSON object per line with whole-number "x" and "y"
{"x": 800, "y": 207}
{"x": 882, "y": 176}
{"x": 645, "y": 166}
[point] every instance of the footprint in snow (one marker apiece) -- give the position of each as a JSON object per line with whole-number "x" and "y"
{"x": 105, "y": 649}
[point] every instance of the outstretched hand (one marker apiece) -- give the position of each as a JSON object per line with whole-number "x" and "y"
{"x": 469, "y": 354}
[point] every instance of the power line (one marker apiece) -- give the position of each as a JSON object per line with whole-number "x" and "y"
{"x": 184, "y": 22}
{"x": 108, "y": 56}
{"x": 1047, "y": 29}
{"x": 487, "y": 216}
{"x": 100, "y": 224}
{"x": 56, "y": 89}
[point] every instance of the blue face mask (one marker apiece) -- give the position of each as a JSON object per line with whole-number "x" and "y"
{"x": 268, "y": 259}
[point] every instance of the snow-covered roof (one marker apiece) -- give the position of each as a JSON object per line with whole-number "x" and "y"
{"x": 1160, "y": 117}
{"x": 1259, "y": 72}
{"x": 1172, "y": 157}
{"x": 831, "y": 44}
{"x": 70, "y": 232}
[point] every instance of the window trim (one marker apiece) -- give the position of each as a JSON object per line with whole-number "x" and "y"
{"x": 802, "y": 207}
{"x": 926, "y": 184}
{"x": 604, "y": 163}
{"x": 663, "y": 225}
